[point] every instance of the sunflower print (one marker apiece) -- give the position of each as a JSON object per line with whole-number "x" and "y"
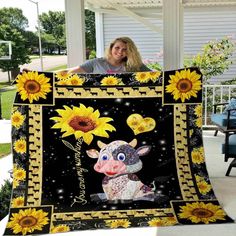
{"x": 75, "y": 80}
{"x": 82, "y": 122}
{"x": 200, "y": 212}
{"x": 184, "y": 85}
{"x": 60, "y": 229}
{"x": 155, "y": 222}
{"x": 62, "y": 82}
{"x": 198, "y": 110}
{"x": 122, "y": 223}
{"x": 17, "y": 202}
{"x": 32, "y": 86}
{"x": 20, "y": 146}
{"x": 197, "y": 156}
{"x": 19, "y": 174}
{"x": 15, "y": 183}
{"x": 111, "y": 81}
{"x": 143, "y": 77}
{"x": 198, "y": 122}
{"x": 199, "y": 178}
{"x": 62, "y": 75}
{"x": 154, "y": 75}
{"x": 27, "y": 221}
{"x": 17, "y": 119}
{"x": 203, "y": 187}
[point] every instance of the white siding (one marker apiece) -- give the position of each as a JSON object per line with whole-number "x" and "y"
{"x": 148, "y": 42}
{"x": 201, "y": 24}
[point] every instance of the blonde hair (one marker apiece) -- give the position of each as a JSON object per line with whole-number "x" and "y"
{"x": 133, "y": 61}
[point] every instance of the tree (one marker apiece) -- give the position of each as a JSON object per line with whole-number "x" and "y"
{"x": 53, "y": 23}
{"x": 48, "y": 43}
{"x": 14, "y": 17}
{"x": 32, "y": 40}
{"x": 20, "y": 54}
{"x": 5, "y": 197}
{"x": 215, "y": 57}
{"x": 12, "y": 28}
{"x": 90, "y": 34}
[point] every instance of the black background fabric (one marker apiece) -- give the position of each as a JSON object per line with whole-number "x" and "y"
{"x": 60, "y": 180}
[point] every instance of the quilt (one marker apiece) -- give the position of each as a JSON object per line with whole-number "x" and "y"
{"x": 99, "y": 151}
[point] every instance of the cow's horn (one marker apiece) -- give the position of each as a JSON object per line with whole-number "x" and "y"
{"x": 133, "y": 143}
{"x": 101, "y": 144}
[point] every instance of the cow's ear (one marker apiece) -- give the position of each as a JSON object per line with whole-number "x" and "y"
{"x": 133, "y": 143}
{"x": 144, "y": 150}
{"x": 93, "y": 153}
{"x": 101, "y": 144}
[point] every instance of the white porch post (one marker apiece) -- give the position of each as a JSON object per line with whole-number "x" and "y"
{"x": 99, "y": 34}
{"x": 173, "y": 34}
{"x": 75, "y": 33}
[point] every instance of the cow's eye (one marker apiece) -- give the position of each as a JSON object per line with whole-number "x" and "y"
{"x": 104, "y": 157}
{"x": 121, "y": 156}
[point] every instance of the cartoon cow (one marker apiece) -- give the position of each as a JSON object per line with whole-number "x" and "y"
{"x": 119, "y": 161}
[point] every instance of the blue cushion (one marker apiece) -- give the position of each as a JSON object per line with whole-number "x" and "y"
{"x": 221, "y": 120}
{"x": 232, "y": 145}
{"x": 231, "y": 105}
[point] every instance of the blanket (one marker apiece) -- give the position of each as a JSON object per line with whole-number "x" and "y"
{"x": 96, "y": 151}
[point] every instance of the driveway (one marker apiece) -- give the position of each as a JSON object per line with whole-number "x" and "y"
{"x": 48, "y": 63}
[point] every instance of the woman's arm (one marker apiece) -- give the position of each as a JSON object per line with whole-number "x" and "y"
{"x": 77, "y": 69}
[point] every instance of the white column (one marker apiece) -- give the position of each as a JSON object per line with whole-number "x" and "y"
{"x": 173, "y": 34}
{"x": 75, "y": 32}
{"x": 99, "y": 34}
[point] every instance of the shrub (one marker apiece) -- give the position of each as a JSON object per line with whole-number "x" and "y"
{"x": 5, "y": 197}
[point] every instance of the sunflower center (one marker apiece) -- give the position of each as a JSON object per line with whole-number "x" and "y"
{"x": 111, "y": 81}
{"x": 142, "y": 76}
{"x": 19, "y": 202}
{"x": 16, "y": 119}
{"x": 32, "y": 86}
{"x": 82, "y": 123}
{"x": 74, "y": 82}
{"x": 28, "y": 221}
{"x": 184, "y": 85}
{"x": 202, "y": 213}
{"x": 19, "y": 175}
{"x": 21, "y": 146}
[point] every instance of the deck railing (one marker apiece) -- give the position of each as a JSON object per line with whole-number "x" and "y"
{"x": 213, "y": 94}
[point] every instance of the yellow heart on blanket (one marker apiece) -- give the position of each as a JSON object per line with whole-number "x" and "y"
{"x": 139, "y": 124}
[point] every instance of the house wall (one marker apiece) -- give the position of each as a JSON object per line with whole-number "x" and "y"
{"x": 201, "y": 24}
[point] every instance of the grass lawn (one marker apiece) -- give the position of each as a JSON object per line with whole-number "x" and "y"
{"x": 5, "y": 149}
{"x": 7, "y": 99}
{"x": 57, "y": 68}
{"x": 4, "y": 84}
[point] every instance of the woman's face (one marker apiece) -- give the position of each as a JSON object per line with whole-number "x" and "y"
{"x": 119, "y": 51}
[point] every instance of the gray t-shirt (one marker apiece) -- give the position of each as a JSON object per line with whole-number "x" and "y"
{"x": 101, "y": 66}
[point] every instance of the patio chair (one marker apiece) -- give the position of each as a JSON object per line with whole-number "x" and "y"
{"x": 226, "y": 123}
{"x": 231, "y": 152}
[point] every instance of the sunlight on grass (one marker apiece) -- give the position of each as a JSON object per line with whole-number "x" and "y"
{"x": 5, "y": 149}
{"x": 7, "y": 99}
{"x": 4, "y": 84}
{"x": 62, "y": 67}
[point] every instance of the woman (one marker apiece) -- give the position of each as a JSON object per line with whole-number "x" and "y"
{"x": 121, "y": 56}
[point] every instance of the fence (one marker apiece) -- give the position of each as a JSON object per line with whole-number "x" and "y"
{"x": 213, "y": 94}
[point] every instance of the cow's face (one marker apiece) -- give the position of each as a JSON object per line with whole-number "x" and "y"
{"x": 118, "y": 157}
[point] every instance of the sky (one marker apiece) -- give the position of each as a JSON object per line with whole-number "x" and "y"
{"x": 30, "y": 10}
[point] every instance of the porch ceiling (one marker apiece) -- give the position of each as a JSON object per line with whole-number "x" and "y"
{"x": 135, "y": 4}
